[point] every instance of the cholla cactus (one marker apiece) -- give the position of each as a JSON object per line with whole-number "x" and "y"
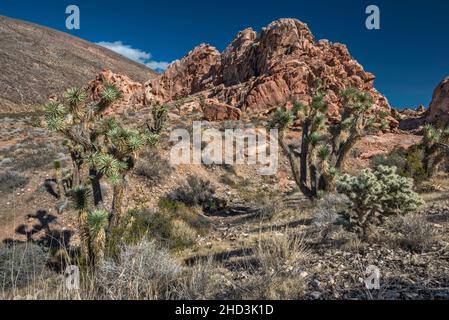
{"x": 436, "y": 148}
{"x": 160, "y": 116}
{"x": 324, "y": 147}
{"x": 100, "y": 148}
{"x": 377, "y": 195}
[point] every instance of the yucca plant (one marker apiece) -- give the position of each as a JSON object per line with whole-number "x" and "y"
{"x": 100, "y": 148}
{"x": 97, "y": 221}
{"x": 324, "y": 147}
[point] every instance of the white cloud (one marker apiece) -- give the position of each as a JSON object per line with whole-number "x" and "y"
{"x": 134, "y": 54}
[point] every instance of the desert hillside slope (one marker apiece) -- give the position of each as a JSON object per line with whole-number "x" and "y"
{"x": 36, "y": 62}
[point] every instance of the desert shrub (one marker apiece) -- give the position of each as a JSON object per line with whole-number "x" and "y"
{"x": 266, "y": 204}
{"x": 409, "y": 162}
{"x": 21, "y": 265}
{"x": 225, "y": 179}
{"x": 327, "y": 212}
{"x": 377, "y": 195}
{"x": 153, "y": 167}
{"x": 195, "y": 192}
{"x": 11, "y": 180}
{"x": 142, "y": 271}
{"x": 416, "y": 233}
{"x": 191, "y": 215}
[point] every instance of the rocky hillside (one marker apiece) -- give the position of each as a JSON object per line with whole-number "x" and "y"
{"x": 36, "y": 62}
{"x": 259, "y": 72}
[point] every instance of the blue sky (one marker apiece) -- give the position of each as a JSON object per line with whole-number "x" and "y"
{"x": 409, "y": 55}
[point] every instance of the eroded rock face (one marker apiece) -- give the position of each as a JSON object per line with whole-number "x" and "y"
{"x": 133, "y": 93}
{"x": 439, "y": 107}
{"x": 214, "y": 110}
{"x": 257, "y": 73}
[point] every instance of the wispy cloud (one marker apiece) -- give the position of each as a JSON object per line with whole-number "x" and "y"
{"x": 134, "y": 54}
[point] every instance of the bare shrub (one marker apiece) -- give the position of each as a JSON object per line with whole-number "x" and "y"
{"x": 327, "y": 212}
{"x": 196, "y": 192}
{"x": 11, "y": 180}
{"x": 21, "y": 265}
{"x": 146, "y": 271}
{"x": 153, "y": 167}
{"x": 141, "y": 271}
{"x": 417, "y": 234}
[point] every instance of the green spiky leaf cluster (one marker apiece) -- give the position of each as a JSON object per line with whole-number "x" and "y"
{"x": 97, "y": 221}
{"x": 81, "y": 196}
{"x": 282, "y": 119}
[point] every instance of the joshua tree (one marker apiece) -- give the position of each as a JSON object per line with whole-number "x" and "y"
{"x": 324, "y": 147}
{"x": 100, "y": 148}
{"x": 377, "y": 195}
{"x": 436, "y": 148}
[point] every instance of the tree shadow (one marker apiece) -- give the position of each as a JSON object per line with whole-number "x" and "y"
{"x": 221, "y": 256}
{"x": 51, "y": 239}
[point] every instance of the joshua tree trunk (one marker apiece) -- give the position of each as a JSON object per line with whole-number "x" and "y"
{"x": 98, "y": 247}
{"x": 343, "y": 153}
{"x": 117, "y": 205}
{"x": 296, "y": 169}
{"x": 84, "y": 235}
{"x": 95, "y": 178}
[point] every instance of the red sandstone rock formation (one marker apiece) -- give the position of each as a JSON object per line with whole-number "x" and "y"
{"x": 257, "y": 73}
{"x": 214, "y": 110}
{"x": 133, "y": 93}
{"x": 439, "y": 107}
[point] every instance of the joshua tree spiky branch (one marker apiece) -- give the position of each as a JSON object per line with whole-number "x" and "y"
{"x": 324, "y": 147}
{"x": 436, "y": 145}
{"x": 100, "y": 148}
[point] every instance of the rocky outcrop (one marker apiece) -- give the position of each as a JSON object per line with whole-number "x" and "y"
{"x": 214, "y": 110}
{"x": 257, "y": 73}
{"x": 132, "y": 93}
{"x": 439, "y": 107}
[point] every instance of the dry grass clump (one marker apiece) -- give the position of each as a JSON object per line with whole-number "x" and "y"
{"x": 141, "y": 271}
{"x": 278, "y": 263}
{"x": 146, "y": 271}
{"x": 415, "y": 232}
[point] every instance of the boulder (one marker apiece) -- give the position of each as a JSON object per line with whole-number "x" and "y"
{"x": 214, "y": 110}
{"x": 133, "y": 93}
{"x": 439, "y": 107}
